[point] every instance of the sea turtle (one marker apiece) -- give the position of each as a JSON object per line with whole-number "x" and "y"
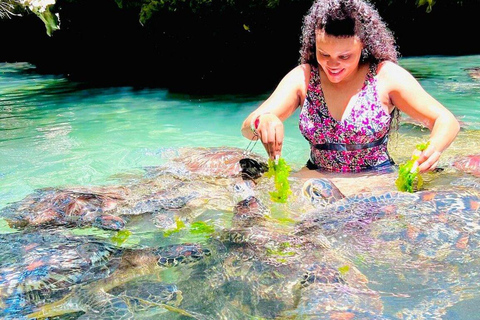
{"x": 80, "y": 206}
{"x": 413, "y": 214}
{"x": 469, "y": 164}
{"x": 427, "y": 240}
{"x": 266, "y": 272}
{"x": 473, "y": 72}
{"x": 48, "y": 273}
{"x": 218, "y": 176}
{"x": 215, "y": 163}
{"x": 106, "y": 207}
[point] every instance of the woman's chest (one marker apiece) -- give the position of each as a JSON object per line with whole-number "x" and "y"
{"x": 364, "y": 118}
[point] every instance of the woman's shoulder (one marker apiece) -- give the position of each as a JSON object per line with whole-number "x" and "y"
{"x": 393, "y": 74}
{"x": 387, "y": 67}
{"x": 302, "y": 70}
{"x": 299, "y": 76}
{"x": 390, "y": 68}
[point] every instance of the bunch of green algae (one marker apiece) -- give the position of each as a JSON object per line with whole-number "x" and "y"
{"x": 280, "y": 171}
{"x": 409, "y": 179}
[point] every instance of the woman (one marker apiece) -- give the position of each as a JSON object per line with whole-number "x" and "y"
{"x": 350, "y": 90}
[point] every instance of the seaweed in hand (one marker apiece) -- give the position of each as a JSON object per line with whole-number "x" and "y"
{"x": 280, "y": 171}
{"x": 409, "y": 178}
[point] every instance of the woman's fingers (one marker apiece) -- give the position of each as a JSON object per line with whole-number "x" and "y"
{"x": 270, "y": 141}
{"x": 271, "y": 134}
{"x": 278, "y": 140}
{"x": 267, "y": 144}
{"x": 428, "y": 159}
{"x": 430, "y": 163}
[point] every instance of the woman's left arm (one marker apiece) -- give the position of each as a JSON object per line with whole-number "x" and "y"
{"x": 406, "y": 93}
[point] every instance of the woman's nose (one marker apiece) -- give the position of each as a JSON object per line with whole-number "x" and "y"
{"x": 332, "y": 62}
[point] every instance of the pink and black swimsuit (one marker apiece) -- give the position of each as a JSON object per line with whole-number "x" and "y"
{"x": 357, "y": 142}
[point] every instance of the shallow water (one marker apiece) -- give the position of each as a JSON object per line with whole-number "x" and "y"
{"x": 54, "y": 132}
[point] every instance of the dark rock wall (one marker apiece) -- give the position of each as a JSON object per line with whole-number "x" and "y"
{"x": 227, "y": 49}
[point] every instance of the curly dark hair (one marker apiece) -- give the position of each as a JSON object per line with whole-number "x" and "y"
{"x": 378, "y": 41}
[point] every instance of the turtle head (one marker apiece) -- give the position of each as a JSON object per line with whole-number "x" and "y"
{"x": 108, "y": 222}
{"x": 321, "y": 191}
{"x": 175, "y": 254}
{"x": 249, "y": 212}
{"x": 251, "y": 206}
{"x": 321, "y": 273}
{"x": 252, "y": 169}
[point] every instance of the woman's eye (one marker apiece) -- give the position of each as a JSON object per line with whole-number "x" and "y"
{"x": 344, "y": 57}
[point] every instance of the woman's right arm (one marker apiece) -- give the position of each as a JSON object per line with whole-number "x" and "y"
{"x": 281, "y": 104}
{"x": 407, "y": 94}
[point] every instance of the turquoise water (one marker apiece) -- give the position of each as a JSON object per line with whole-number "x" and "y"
{"x": 54, "y": 132}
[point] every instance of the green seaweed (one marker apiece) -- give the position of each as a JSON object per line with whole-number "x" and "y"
{"x": 282, "y": 250}
{"x": 408, "y": 179}
{"x": 180, "y": 226}
{"x": 201, "y": 227}
{"x": 198, "y": 230}
{"x": 280, "y": 171}
{"x": 120, "y": 237}
{"x": 344, "y": 270}
{"x": 281, "y": 221}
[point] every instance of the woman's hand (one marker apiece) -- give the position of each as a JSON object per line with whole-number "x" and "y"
{"x": 270, "y": 131}
{"x": 265, "y": 123}
{"x": 427, "y": 159}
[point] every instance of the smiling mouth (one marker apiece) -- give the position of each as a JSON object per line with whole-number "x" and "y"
{"x": 335, "y": 72}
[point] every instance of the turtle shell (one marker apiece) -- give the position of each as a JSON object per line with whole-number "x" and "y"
{"x": 268, "y": 270}
{"x": 38, "y": 268}
{"x": 469, "y": 164}
{"x": 70, "y": 206}
{"x": 49, "y": 272}
{"x": 212, "y": 163}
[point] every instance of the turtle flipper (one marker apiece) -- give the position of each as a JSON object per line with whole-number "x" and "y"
{"x": 148, "y": 290}
{"x": 147, "y": 298}
{"x": 132, "y": 300}
{"x": 96, "y": 304}
{"x": 105, "y": 306}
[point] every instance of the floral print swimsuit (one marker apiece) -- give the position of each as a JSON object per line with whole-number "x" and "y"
{"x": 357, "y": 142}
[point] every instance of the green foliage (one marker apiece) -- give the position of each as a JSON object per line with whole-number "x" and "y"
{"x": 49, "y": 18}
{"x": 280, "y": 171}
{"x": 148, "y": 8}
{"x": 44, "y": 11}
{"x": 409, "y": 178}
{"x": 428, "y": 3}
{"x": 6, "y": 9}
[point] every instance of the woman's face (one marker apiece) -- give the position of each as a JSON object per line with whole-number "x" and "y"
{"x": 338, "y": 57}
